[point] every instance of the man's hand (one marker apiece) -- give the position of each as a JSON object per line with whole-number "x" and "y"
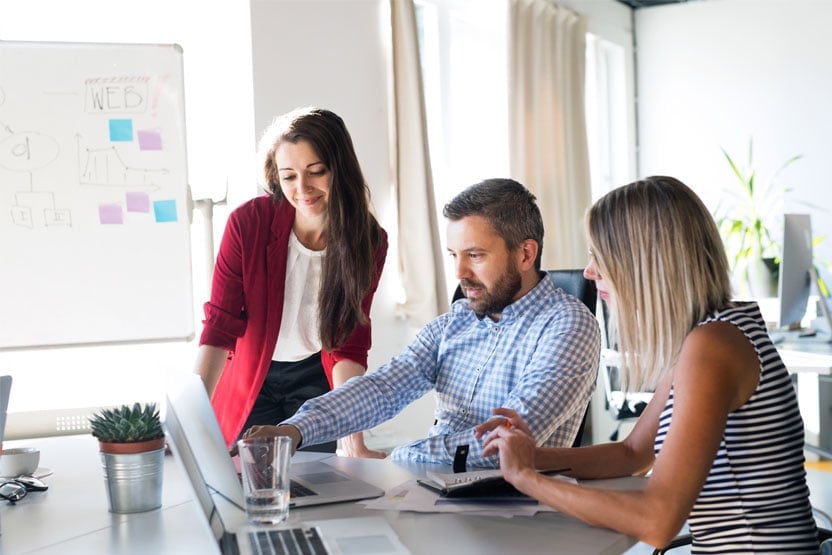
{"x": 354, "y": 446}
{"x": 272, "y": 431}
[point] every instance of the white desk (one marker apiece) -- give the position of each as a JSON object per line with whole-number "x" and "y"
{"x": 437, "y": 533}
{"x": 810, "y": 362}
{"x": 815, "y": 358}
{"x": 72, "y": 516}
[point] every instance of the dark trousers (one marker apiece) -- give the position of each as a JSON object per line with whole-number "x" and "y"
{"x": 287, "y": 386}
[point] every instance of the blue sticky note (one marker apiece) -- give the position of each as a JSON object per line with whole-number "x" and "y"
{"x": 121, "y": 130}
{"x": 165, "y": 210}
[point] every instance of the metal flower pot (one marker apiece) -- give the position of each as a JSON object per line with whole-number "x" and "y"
{"x": 133, "y": 479}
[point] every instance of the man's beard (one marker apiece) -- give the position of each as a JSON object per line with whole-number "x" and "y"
{"x": 494, "y": 300}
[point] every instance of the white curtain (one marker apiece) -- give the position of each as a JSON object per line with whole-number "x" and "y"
{"x": 547, "y": 129}
{"x": 420, "y": 260}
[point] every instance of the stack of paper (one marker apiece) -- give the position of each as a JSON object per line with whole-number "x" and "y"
{"x": 411, "y": 496}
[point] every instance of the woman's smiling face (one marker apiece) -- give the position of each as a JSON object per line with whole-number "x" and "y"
{"x": 304, "y": 178}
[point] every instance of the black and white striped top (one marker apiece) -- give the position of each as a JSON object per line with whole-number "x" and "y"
{"x": 755, "y": 499}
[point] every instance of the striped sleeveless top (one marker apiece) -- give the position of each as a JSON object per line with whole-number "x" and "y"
{"x": 755, "y": 499}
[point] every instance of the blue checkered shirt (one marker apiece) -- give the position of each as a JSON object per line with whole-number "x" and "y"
{"x": 541, "y": 359}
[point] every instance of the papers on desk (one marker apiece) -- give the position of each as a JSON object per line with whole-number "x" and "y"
{"x": 410, "y": 496}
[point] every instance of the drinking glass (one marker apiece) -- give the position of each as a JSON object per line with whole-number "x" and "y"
{"x": 264, "y": 464}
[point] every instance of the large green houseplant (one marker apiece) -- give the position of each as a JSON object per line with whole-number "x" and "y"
{"x": 132, "y": 445}
{"x": 746, "y": 218}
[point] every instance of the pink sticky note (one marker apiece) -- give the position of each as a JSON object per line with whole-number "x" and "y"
{"x": 138, "y": 202}
{"x": 110, "y": 214}
{"x": 149, "y": 139}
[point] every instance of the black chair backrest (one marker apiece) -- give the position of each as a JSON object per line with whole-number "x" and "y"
{"x": 574, "y": 283}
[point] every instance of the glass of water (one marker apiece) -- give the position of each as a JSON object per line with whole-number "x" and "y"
{"x": 264, "y": 465}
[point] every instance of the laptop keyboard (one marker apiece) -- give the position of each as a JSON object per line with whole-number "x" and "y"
{"x": 288, "y": 541}
{"x": 297, "y": 490}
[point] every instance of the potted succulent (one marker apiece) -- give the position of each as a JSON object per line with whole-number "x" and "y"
{"x": 132, "y": 445}
{"x": 745, "y": 221}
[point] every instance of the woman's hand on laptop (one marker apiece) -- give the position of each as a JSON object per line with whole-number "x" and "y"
{"x": 279, "y": 430}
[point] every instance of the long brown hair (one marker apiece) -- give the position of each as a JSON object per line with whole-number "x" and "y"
{"x": 660, "y": 251}
{"x": 353, "y": 232}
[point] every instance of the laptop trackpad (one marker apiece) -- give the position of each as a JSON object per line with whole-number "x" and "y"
{"x": 325, "y": 477}
{"x": 365, "y": 545}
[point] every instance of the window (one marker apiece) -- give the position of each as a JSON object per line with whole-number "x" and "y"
{"x": 465, "y": 74}
{"x": 606, "y": 115}
{"x": 464, "y": 66}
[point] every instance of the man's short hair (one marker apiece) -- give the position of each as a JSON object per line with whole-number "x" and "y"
{"x": 509, "y": 208}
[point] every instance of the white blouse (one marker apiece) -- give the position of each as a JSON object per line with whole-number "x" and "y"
{"x": 299, "y": 338}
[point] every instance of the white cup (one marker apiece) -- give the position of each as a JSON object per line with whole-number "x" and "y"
{"x": 19, "y": 461}
{"x": 264, "y": 465}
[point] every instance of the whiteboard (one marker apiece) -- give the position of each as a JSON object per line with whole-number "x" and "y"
{"x": 94, "y": 204}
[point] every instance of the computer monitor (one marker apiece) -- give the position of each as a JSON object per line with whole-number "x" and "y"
{"x": 795, "y": 282}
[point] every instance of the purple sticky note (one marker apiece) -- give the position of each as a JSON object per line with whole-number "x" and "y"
{"x": 138, "y": 202}
{"x": 149, "y": 139}
{"x": 110, "y": 214}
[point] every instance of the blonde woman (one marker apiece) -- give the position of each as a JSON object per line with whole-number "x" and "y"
{"x": 722, "y": 435}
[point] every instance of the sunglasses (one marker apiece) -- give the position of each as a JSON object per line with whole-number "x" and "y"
{"x": 15, "y": 490}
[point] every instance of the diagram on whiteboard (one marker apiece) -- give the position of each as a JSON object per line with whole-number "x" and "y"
{"x": 95, "y": 243}
{"x": 92, "y": 154}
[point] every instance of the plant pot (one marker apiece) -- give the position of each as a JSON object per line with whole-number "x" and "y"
{"x": 762, "y": 278}
{"x": 133, "y": 475}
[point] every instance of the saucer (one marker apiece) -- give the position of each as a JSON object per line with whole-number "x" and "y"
{"x": 40, "y": 472}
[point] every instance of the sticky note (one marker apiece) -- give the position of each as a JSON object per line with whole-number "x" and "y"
{"x": 165, "y": 210}
{"x": 110, "y": 213}
{"x": 121, "y": 130}
{"x": 138, "y": 202}
{"x": 149, "y": 139}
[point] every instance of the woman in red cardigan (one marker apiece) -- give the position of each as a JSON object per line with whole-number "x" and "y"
{"x": 289, "y": 314}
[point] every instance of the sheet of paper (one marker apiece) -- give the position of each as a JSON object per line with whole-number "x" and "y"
{"x": 410, "y": 496}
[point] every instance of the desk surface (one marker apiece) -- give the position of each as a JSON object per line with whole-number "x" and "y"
{"x": 72, "y": 516}
{"x": 458, "y": 533}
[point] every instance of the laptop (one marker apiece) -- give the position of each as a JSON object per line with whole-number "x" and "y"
{"x": 196, "y": 439}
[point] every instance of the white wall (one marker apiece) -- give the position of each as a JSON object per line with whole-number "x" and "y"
{"x": 335, "y": 54}
{"x": 327, "y": 52}
{"x": 712, "y": 74}
{"x": 219, "y": 123}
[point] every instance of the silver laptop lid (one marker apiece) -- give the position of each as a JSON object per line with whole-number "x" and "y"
{"x": 189, "y": 401}
{"x": 5, "y": 393}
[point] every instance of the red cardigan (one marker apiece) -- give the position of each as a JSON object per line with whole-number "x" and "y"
{"x": 246, "y": 306}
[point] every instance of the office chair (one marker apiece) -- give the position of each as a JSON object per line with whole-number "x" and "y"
{"x": 574, "y": 283}
{"x": 622, "y": 405}
{"x": 824, "y": 536}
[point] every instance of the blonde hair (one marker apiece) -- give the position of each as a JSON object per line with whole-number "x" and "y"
{"x": 658, "y": 248}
